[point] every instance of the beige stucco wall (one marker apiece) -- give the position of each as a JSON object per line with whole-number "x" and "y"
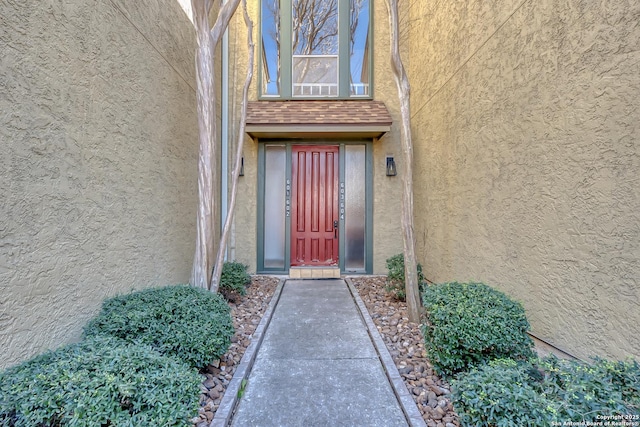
{"x": 97, "y": 169}
{"x": 528, "y": 161}
{"x": 242, "y": 245}
{"x": 387, "y": 201}
{"x": 387, "y": 237}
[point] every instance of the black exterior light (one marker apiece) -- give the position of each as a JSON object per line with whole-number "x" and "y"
{"x": 241, "y": 167}
{"x": 391, "y": 166}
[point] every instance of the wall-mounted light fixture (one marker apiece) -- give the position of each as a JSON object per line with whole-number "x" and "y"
{"x": 391, "y": 166}
{"x": 241, "y": 167}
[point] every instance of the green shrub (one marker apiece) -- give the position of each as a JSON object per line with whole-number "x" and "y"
{"x": 468, "y": 324}
{"x": 582, "y": 390}
{"x": 395, "y": 276}
{"x": 546, "y": 392}
{"x": 189, "y": 323}
{"x": 500, "y": 394}
{"x": 99, "y": 382}
{"x": 234, "y": 277}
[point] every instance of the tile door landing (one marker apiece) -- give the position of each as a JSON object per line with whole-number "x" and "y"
{"x": 314, "y": 272}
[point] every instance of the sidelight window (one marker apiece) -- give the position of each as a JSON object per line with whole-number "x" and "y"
{"x": 355, "y": 208}
{"x": 274, "y": 212}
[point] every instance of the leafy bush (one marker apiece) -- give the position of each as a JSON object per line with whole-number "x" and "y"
{"x": 468, "y": 324}
{"x": 101, "y": 381}
{"x": 189, "y": 323}
{"x": 582, "y": 390}
{"x": 395, "y": 276}
{"x": 500, "y": 394}
{"x": 234, "y": 277}
{"x": 546, "y": 392}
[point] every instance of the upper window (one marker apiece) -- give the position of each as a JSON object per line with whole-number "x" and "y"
{"x": 316, "y": 48}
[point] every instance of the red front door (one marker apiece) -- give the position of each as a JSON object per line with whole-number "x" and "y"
{"x": 314, "y": 205}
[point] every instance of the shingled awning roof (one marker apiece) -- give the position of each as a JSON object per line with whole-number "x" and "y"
{"x": 317, "y": 118}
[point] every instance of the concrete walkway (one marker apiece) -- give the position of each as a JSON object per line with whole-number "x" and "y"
{"x": 317, "y": 365}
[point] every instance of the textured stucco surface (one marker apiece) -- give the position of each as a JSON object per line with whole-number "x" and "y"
{"x": 97, "y": 170}
{"x": 387, "y": 191}
{"x": 242, "y": 245}
{"x": 528, "y": 158}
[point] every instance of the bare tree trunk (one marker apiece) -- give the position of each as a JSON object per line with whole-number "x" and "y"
{"x": 408, "y": 238}
{"x": 238, "y": 160}
{"x": 203, "y": 258}
{"x": 207, "y": 39}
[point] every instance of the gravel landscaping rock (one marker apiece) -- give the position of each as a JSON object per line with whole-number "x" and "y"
{"x": 246, "y": 312}
{"x": 402, "y": 338}
{"x": 405, "y": 343}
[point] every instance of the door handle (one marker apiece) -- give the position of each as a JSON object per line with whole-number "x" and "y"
{"x": 335, "y": 229}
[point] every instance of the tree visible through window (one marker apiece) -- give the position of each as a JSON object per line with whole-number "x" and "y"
{"x": 270, "y": 47}
{"x": 359, "y": 48}
{"x": 315, "y": 48}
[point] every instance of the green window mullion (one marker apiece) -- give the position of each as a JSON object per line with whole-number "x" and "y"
{"x": 287, "y": 246}
{"x": 344, "y": 56}
{"x": 341, "y": 204}
{"x": 369, "y": 204}
{"x": 261, "y": 201}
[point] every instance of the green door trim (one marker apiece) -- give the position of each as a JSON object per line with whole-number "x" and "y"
{"x": 368, "y": 144}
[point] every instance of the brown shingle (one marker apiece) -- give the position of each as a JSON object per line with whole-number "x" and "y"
{"x": 318, "y": 112}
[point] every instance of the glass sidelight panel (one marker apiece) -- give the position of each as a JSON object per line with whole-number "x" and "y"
{"x": 274, "y": 206}
{"x": 355, "y": 207}
{"x": 359, "y": 47}
{"x": 315, "y": 48}
{"x": 315, "y": 75}
{"x": 270, "y": 47}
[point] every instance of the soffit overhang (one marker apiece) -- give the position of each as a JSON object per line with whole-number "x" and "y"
{"x": 317, "y": 119}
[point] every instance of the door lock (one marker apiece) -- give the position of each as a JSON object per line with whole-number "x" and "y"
{"x": 335, "y": 229}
